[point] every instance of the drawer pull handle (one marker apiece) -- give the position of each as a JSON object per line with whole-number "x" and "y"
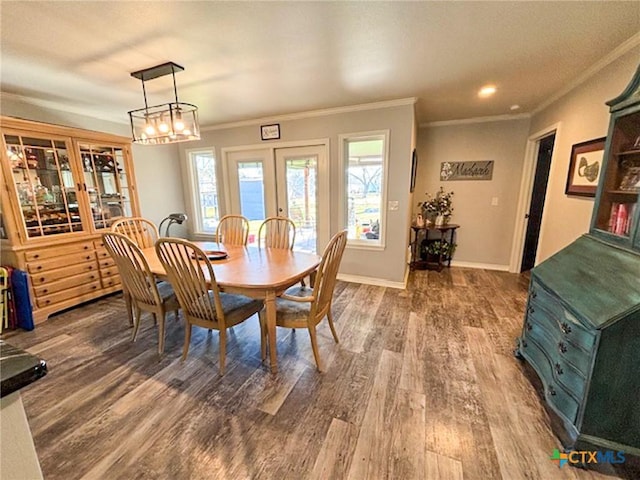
{"x": 46, "y": 290}
{"x": 42, "y": 279}
{"x": 565, "y": 327}
{"x": 86, "y": 247}
{"x": 562, "y": 347}
{"x": 94, "y": 287}
{"x": 529, "y": 326}
{"x": 37, "y": 255}
{"x": 559, "y": 370}
{"x": 90, "y": 267}
{"x": 39, "y": 267}
{"x": 88, "y": 257}
{"x": 552, "y": 391}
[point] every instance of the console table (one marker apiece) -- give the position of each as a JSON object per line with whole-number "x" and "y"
{"x": 446, "y": 232}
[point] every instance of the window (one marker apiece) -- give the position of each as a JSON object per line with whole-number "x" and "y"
{"x": 364, "y": 157}
{"x": 202, "y": 165}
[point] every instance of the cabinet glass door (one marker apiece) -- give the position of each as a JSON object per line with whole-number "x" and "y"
{"x": 45, "y": 184}
{"x": 106, "y": 183}
{"x": 617, "y": 211}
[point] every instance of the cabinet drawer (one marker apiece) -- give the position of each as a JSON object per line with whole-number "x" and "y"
{"x": 59, "y": 262}
{"x": 98, "y": 244}
{"x": 54, "y": 252}
{"x": 68, "y": 294}
{"x": 69, "y": 282}
{"x": 542, "y": 329}
{"x": 108, "y": 271}
{"x": 111, "y": 282}
{"x": 554, "y": 392}
{"x": 102, "y": 253}
{"x": 55, "y": 275}
{"x": 565, "y": 320}
{"x": 106, "y": 262}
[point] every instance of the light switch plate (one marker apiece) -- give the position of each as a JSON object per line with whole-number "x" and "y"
{"x": 393, "y": 204}
{"x": 494, "y": 201}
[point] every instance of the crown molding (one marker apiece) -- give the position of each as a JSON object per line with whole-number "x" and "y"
{"x": 314, "y": 113}
{"x": 465, "y": 121}
{"x": 618, "y": 52}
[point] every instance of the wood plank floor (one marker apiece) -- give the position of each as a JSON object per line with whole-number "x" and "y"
{"x": 423, "y": 385}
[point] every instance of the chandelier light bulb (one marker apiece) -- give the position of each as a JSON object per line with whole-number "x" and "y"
{"x": 150, "y": 129}
{"x": 178, "y": 125}
{"x": 163, "y": 127}
{"x": 186, "y": 131}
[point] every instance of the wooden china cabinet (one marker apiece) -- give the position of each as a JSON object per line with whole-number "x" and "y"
{"x": 581, "y": 330}
{"x": 62, "y": 187}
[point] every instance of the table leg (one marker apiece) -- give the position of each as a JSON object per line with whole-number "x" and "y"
{"x": 270, "y": 313}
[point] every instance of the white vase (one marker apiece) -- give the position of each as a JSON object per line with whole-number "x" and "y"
{"x": 440, "y": 220}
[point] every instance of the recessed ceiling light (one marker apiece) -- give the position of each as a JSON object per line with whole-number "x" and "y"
{"x": 487, "y": 91}
{"x": 514, "y": 107}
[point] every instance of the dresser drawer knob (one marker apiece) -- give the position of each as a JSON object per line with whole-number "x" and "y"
{"x": 46, "y": 290}
{"x": 42, "y": 279}
{"x": 558, "y": 368}
{"x": 86, "y": 247}
{"x": 552, "y": 391}
{"x": 90, "y": 267}
{"x": 565, "y": 327}
{"x": 94, "y": 287}
{"x": 36, "y": 255}
{"x": 562, "y": 347}
{"x": 39, "y": 267}
{"x": 88, "y": 257}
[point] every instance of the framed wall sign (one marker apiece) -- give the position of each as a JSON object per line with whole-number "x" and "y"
{"x": 585, "y": 166}
{"x": 270, "y": 132}
{"x": 414, "y": 168}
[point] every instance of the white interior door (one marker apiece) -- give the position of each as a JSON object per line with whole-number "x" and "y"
{"x": 288, "y": 181}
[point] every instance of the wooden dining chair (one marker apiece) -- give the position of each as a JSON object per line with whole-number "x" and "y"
{"x": 233, "y": 230}
{"x": 278, "y": 232}
{"x": 303, "y": 307}
{"x": 142, "y": 231}
{"x": 145, "y": 294}
{"x": 191, "y": 274}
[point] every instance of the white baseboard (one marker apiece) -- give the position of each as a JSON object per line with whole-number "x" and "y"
{"x": 379, "y": 282}
{"x": 484, "y": 266}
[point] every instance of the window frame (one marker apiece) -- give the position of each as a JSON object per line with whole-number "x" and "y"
{"x": 194, "y": 187}
{"x": 343, "y": 140}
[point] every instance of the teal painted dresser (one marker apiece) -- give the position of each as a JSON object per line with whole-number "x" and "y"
{"x": 581, "y": 331}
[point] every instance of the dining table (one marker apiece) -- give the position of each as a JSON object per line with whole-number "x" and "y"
{"x": 257, "y": 272}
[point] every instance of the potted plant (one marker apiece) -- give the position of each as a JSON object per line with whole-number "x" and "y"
{"x": 433, "y": 250}
{"x": 437, "y": 209}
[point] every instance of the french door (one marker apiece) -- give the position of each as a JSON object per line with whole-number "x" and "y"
{"x": 288, "y": 181}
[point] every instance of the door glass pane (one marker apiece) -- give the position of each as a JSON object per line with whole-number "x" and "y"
{"x": 252, "y": 201}
{"x": 302, "y": 174}
{"x": 106, "y": 183}
{"x": 45, "y": 185}
{"x": 364, "y": 188}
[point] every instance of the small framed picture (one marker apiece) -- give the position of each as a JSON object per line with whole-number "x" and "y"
{"x": 414, "y": 169}
{"x": 270, "y": 132}
{"x": 585, "y": 167}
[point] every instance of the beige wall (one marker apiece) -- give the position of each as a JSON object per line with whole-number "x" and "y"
{"x": 486, "y": 231}
{"x": 583, "y": 115}
{"x": 387, "y": 265}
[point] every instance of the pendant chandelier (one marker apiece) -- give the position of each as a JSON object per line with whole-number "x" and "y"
{"x": 166, "y": 123}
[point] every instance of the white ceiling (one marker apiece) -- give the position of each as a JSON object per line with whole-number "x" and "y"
{"x": 246, "y": 60}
